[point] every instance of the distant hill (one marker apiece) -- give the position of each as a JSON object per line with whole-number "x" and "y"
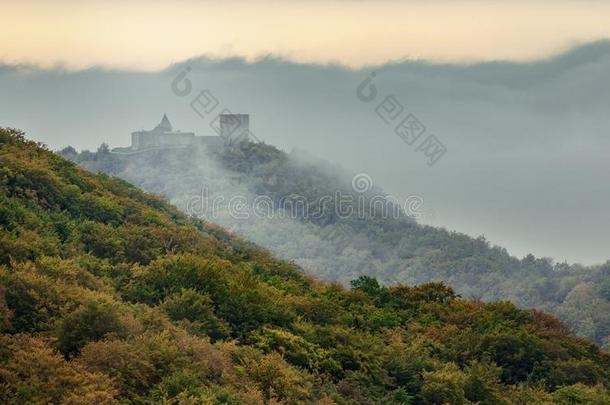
{"x": 394, "y": 250}
{"x": 110, "y": 295}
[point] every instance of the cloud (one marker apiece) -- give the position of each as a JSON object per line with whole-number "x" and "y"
{"x": 527, "y": 142}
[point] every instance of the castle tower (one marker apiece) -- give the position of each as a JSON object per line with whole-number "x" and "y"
{"x": 164, "y": 125}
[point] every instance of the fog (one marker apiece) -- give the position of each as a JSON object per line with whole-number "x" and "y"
{"x": 526, "y": 143}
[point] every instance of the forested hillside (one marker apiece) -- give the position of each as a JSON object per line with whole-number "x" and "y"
{"x": 394, "y": 250}
{"x": 110, "y": 295}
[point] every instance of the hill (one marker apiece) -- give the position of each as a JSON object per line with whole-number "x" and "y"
{"x": 110, "y": 295}
{"x": 393, "y": 249}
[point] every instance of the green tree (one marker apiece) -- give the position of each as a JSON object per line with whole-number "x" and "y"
{"x": 90, "y": 322}
{"x": 196, "y": 313}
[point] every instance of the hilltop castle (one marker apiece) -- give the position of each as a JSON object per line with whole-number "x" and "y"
{"x": 231, "y": 128}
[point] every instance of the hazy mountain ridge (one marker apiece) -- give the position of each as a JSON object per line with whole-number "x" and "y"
{"x": 392, "y": 250}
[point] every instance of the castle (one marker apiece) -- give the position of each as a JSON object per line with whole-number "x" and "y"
{"x": 230, "y": 127}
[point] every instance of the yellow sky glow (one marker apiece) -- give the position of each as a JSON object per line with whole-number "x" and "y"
{"x": 153, "y": 34}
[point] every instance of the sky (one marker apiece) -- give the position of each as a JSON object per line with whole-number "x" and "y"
{"x": 150, "y": 35}
{"x": 518, "y": 93}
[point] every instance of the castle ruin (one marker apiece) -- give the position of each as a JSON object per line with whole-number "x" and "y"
{"x": 231, "y": 128}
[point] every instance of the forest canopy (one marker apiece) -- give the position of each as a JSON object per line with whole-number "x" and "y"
{"x": 111, "y": 295}
{"x": 393, "y": 250}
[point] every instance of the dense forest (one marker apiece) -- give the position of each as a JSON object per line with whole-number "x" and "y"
{"x": 393, "y": 250}
{"x": 111, "y": 295}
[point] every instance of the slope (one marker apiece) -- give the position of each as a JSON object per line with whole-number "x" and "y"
{"x": 109, "y": 295}
{"x": 289, "y": 190}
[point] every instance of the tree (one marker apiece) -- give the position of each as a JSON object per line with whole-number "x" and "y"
{"x": 32, "y": 373}
{"x": 90, "y": 322}
{"x": 195, "y": 312}
{"x": 444, "y": 386}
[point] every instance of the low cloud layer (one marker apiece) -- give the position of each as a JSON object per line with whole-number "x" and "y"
{"x": 526, "y": 162}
